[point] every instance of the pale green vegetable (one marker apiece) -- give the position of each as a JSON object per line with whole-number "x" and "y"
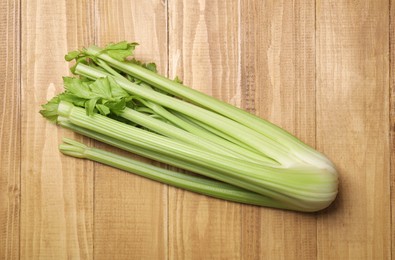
{"x": 192, "y": 183}
{"x": 127, "y": 104}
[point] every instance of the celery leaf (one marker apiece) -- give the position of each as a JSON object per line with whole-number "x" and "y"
{"x": 90, "y": 106}
{"x": 72, "y": 55}
{"x": 78, "y": 88}
{"x": 50, "y": 109}
{"x": 101, "y": 87}
{"x": 121, "y": 50}
{"x": 104, "y": 110}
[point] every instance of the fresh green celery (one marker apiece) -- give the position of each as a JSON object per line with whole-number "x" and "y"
{"x": 126, "y": 103}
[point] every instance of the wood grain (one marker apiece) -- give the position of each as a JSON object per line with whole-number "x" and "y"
{"x": 203, "y": 51}
{"x": 323, "y": 70}
{"x": 352, "y": 126}
{"x": 10, "y": 150}
{"x": 130, "y": 211}
{"x": 57, "y": 215}
{"x": 278, "y": 82}
{"x": 392, "y": 120}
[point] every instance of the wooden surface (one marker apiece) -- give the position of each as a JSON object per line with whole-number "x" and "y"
{"x": 324, "y": 70}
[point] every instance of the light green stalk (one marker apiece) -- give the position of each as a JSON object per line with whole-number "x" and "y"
{"x": 258, "y": 142}
{"x": 302, "y": 151}
{"x": 186, "y": 137}
{"x": 200, "y": 185}
{"x": 300, "y": 187}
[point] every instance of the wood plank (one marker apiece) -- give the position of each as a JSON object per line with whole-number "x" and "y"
{"x": 392, "y": 120}
{"x": 263, "y": 61}
{"x": 352, "y": 126}
{"x": 130, "y": 211}
{"x": 10, "y": 154}
{"x": 203, "y": 51}
{"x": 57, "y": 191}
{"x": 278, "y": 80}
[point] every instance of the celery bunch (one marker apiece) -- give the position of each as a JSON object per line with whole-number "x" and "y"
{"x": 125, "y": 103}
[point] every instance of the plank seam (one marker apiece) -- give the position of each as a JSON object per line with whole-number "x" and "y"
{"x": 239, "y": 68}
{"x": 19, "y": 105}
{"x": 168, "y": 75}
{"x": 95, "y": 13}
{"x": 315, "y": 111}
{"x": 390, "y": 106}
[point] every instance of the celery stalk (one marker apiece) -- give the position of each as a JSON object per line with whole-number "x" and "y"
{"x": 196, "y": 184}
{"x": 301, "y": 150}
{"x": 125, "y": 103}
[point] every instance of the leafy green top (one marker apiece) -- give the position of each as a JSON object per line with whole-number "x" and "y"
{"x": 50, "y": 109}
{"x": 121, "y": 50}
{"x": 103, "y": 95}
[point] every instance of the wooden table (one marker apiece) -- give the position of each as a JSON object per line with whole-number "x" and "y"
{"x": 323, "y": 70}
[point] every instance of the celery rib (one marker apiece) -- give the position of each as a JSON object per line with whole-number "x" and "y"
{"x": 195, "y": 184}
{"x": 302, "y": 151}
{"x": 197, "y": 140}
{"x": 251, "y": 138}
{"x": 248, "y": 175}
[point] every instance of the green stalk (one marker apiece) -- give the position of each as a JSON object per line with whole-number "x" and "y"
{"x": 279, "y": 184}
{"x": 301, "y": 150}
{"x": 207, "y": 129}
{"x": 174, "y": 162}
{"x": 194, "y": 128}
{"x": 186, "y": 137}
{"x": 148, "y": 153}
{"x": 202, "y": 138}
{"x": 174, "y": 132}
{"x": 251, "y": 138}
{"x": 288, "y": 203}
{"x": 136, "y": 136}
{"x": 192, "y": 183}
